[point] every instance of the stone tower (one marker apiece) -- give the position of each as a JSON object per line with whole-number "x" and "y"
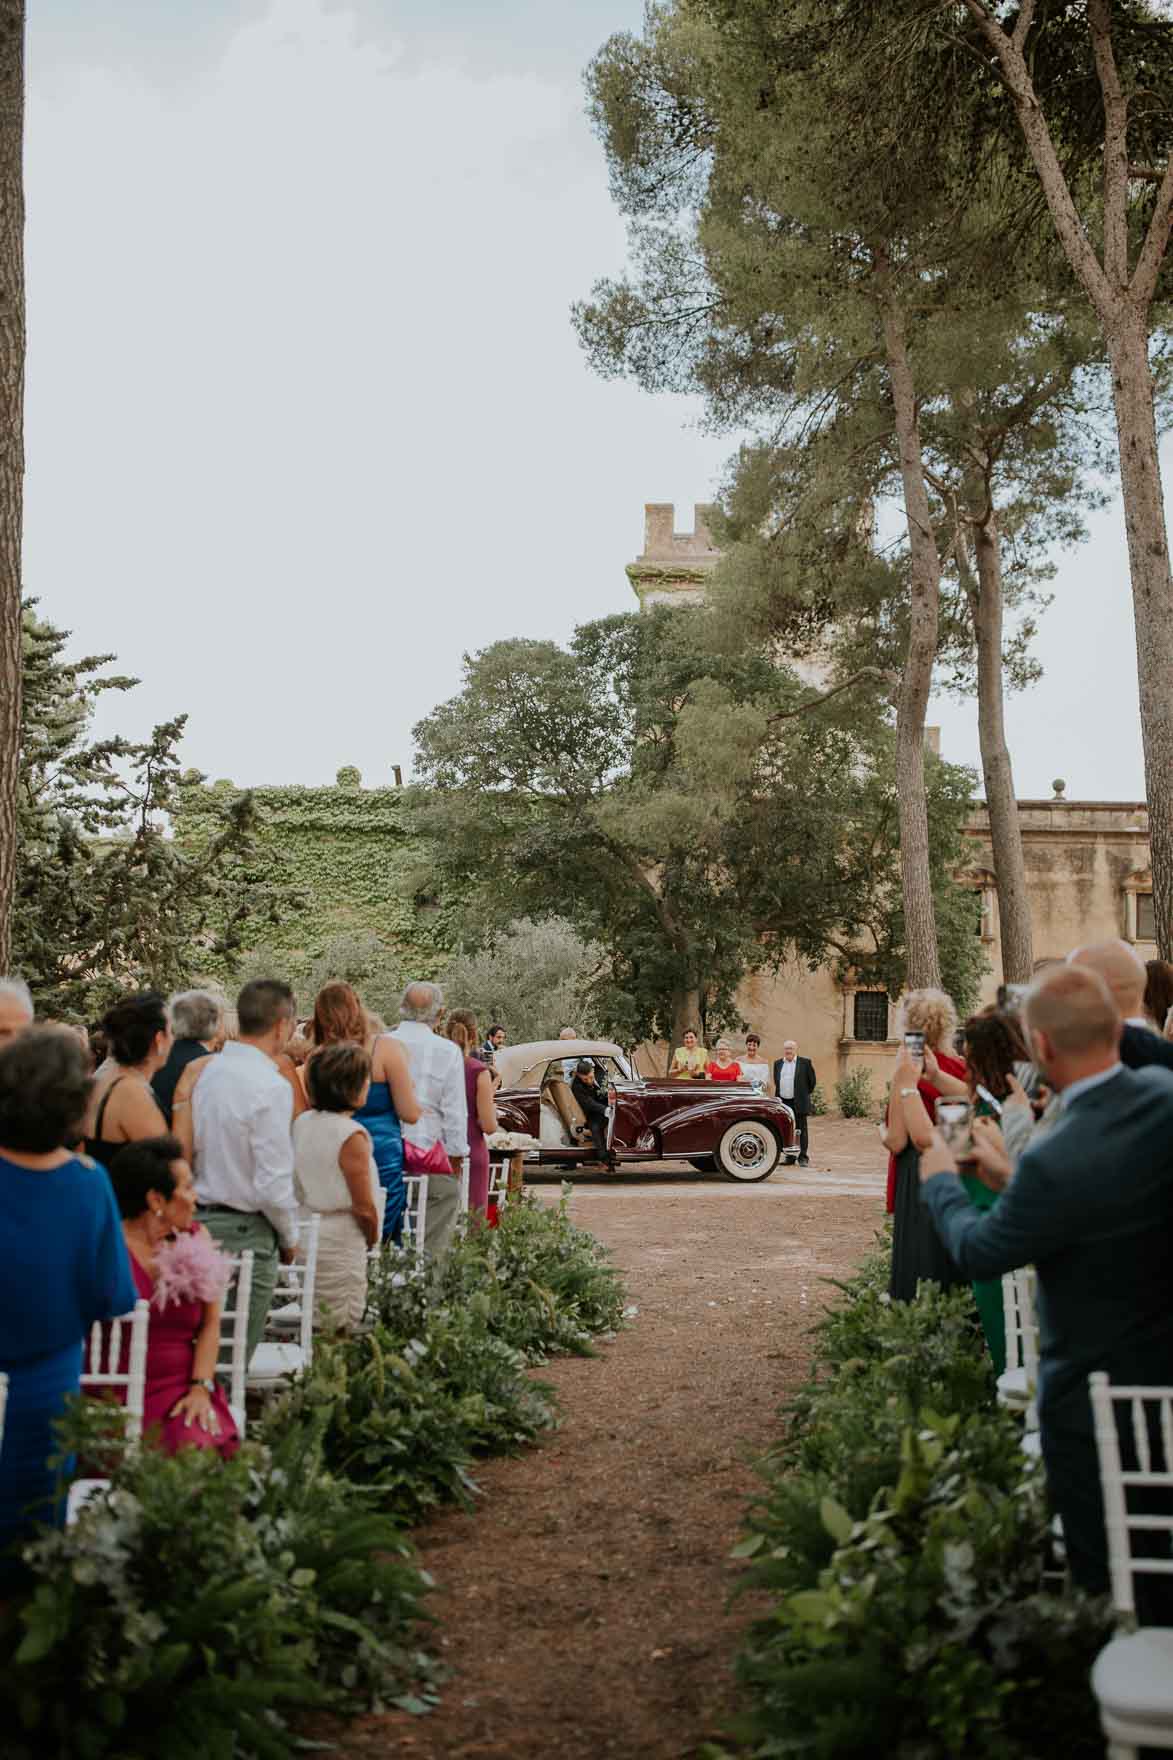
{"x": 674, "y": 565}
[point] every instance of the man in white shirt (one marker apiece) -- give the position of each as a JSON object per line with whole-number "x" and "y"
{"x": 242, "y": 1113}
{"x": 437, "y": 1074}
{"x": 794, "y": 1082}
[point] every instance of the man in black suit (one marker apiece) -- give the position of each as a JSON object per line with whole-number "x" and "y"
{"x": 1091, "y": 1207}
{"x": 794, "y": 1082}
{"x": 585, "y": 1089}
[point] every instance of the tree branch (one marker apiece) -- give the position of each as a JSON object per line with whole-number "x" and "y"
{"x": 1099, "y": 20}
{"x": 1148, "y": 268}
{"x": 875, "y": 672}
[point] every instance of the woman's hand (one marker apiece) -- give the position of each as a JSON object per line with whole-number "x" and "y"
{"x": 989, "y": 1158}
{"x": 932, "y": 1067}
{"x": 196, "y": 1408}
{"x": 906, "y": 1071}
{"x": 937, "y": 1158}
{"x": 1016, "y": 1094}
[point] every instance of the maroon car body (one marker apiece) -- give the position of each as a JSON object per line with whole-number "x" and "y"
{"x": 729, "y": 1126}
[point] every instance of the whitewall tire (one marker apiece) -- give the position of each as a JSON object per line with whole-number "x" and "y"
{"x": 748, "y": 1151}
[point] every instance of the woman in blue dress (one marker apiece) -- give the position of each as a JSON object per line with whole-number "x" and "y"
{"x": 339, "y": 1018}
{"x": 65, "y": 1266}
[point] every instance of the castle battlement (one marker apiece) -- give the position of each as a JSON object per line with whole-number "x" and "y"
{"x": 673, "y": 566}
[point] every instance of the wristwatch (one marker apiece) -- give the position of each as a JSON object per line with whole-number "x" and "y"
{"x": 208, "y": 1385}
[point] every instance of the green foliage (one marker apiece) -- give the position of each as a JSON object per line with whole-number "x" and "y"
{"x": 441, "y": 1377}
{"x": 533, "y": 978}
{"x": 654, "y": 790}
{"x": 818, "y": 1103}
{"x": 104, "y": 899}
{"x": 196, "y": 1603}
{"x": 366, "y": 909}
{"x": 901, "y": 1536}
{"x": 853, "y": 1094}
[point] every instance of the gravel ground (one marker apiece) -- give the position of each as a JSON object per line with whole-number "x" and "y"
{"x": 583, "y": 1603}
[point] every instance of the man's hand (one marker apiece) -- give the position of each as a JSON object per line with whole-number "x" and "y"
{"x": 937, "y": 1158}
{"x": 1016, "y": 1095}
{"x": 991, "y": 1162}
{"x": 288, "y": 1255}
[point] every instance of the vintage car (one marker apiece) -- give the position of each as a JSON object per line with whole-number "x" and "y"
{"x": 724, "y": 1125}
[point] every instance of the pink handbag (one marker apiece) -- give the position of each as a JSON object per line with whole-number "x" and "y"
{"x": 433, "y": 1160}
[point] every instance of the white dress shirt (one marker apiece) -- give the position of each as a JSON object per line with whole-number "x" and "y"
{"x": 437, "y": 1074}
{"x": 242, "y": 1111}
{"x": 786, "y": 1078}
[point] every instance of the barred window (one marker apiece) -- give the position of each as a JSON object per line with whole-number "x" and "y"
{"x": 1146, "y": 920}
{"x": 871, "y": 1014}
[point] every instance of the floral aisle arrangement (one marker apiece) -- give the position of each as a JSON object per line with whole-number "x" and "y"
{"x": 902, "y": 1538}
{"x": 196, "y": 1606}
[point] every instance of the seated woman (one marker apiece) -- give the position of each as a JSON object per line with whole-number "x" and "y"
{"x": 179, "y": 1269}
{"x": 689, "y": 1060}
{"x": 335, "y": 1176}
{"x": 65, "y": 1266}
{"x": 723, "y": 1068}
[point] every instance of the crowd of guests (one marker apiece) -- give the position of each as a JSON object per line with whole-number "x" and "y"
{"x": 1041, "y": 1133}
{"x": 202, "y": 1133}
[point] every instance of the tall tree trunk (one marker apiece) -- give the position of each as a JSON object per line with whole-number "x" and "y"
{"x": 686, "y": 1013}
{"x": 920, "y": 923}
{"x": 1152, "y": 595}
{"x": 986, "y": 606}
{"x": 12, "y": 347}
{"x": 1122, "y": 295}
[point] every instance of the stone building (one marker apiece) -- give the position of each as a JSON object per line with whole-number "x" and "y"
{"x": 1087, "y": 864}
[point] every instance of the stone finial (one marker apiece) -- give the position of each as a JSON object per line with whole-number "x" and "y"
{"x": 1060, "y": 788}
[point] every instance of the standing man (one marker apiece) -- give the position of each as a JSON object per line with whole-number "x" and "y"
{"x": 242, "y": 1114}
{"x": 494, "y": 1039}
{"x": 1091, "y": 1208}
{"x": 195, "y": 1021}
{"x": 794, "y": 1082}
{"x": 437, "y": 1072}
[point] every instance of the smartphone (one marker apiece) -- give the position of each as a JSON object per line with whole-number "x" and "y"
{"x": 955, "y": 1123}
{"x": 914, "y": 1044}
{"x": 994, "y": 1105}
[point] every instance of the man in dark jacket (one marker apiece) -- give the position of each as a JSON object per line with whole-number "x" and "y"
{"x": 794, "y": 1082}
{"x": 1091, "y": 1208}
{"x": 196, "y": 1016}
{"x": 585, "y": 1089}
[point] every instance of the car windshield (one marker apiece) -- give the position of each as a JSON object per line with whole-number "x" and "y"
{"x": 607, "y": 1070}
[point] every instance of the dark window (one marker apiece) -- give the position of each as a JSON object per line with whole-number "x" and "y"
{"x": 1146, "y": 921}
{"x": 871, "y": 1014}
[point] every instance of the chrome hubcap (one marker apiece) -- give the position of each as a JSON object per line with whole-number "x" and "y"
{"x": 747, "y": 1150}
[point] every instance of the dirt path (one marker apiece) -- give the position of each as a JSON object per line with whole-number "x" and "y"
{"x": 583, "y": 1603}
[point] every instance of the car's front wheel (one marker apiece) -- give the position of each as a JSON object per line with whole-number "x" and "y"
{"x": 748, "y": 1151}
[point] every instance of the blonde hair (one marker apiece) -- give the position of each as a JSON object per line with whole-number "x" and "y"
{"x": 932, "y": 1013}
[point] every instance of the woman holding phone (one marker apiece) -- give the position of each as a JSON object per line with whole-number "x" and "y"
{"x": 928, "y": 1023}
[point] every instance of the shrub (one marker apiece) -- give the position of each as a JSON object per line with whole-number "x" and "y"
{"x": 818, "y": 1102}
{"x": 853, "y": 1094}
{"x": 196, "y": 1602}
{"x": 902, "y": 1534}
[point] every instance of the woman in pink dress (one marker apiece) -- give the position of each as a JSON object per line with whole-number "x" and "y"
{"x": 179, "y": 1269}
{"x": 482, "y": 1114}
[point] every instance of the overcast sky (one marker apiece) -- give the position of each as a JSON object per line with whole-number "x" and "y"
{"x": 306, "y": 416}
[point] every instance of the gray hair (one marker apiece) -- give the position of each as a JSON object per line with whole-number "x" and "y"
{"x": 421, "y": 1002}
{"x": 195, "y": 1014}
{"x": 19, "y": 992}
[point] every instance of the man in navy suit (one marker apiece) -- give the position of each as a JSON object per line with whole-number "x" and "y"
{"x": 795, "y": 1081}
{"x": 1091, "y": 1207}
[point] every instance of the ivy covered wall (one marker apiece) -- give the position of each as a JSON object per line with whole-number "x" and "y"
{"x": 349, "y": 851}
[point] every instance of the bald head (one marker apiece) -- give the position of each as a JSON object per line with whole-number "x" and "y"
{"x": 1071, "y": 1015}
{"x": 1121, "y": 968}
{"x": 421, "y": 1002}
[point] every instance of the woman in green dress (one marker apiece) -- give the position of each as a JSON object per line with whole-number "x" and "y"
{"x": 993, "y": 1047}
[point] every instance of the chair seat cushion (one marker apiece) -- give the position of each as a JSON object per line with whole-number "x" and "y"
{"x": 275, "y": 1362}
{"x": 1012, "y": 1388}
{"x": 1133, "y": 1676}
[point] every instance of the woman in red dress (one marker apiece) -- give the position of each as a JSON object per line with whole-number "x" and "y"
{"x": 723, "y": 1068}
{"x": 179, "y": 1269}
{"x": 918, "y": 1254}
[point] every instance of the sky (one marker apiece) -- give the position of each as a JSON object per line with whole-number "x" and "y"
{"x": 306, "y": 417}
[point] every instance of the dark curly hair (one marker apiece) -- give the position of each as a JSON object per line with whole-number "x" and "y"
{"x": 993, "y": 1044}
{"x": 132, "y": 1026}
{"x": 142, "y": 1167}
{"x": 44, "y": 1090}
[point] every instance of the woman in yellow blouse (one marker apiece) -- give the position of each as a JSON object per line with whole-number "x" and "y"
{"x": 689, "y": 1060}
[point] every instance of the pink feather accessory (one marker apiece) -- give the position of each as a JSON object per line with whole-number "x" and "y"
{"x": 190, "y": 1268}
